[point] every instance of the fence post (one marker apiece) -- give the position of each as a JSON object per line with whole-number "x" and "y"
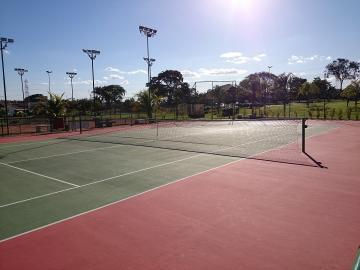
{"x": 80, "y": 123}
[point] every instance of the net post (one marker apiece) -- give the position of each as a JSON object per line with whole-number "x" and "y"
{"x": 356, "y": 265}
{"x": 303, "y": 133}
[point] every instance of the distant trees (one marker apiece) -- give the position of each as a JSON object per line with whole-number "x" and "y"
{"x": 110, "y": 94}
{"x": 255, "y": 91}
{"x": 343, "y": 69}
{"x": 308, "y": 91}
{"x": 325, "y": 91}
{"x": 171, "y": 87}
{"x": 352, "y": 92}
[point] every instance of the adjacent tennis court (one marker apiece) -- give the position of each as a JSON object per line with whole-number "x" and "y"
{"x": 183, "y": 195}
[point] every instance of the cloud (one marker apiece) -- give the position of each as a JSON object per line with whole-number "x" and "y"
{"x": 331, "y": 79}
{"x": 221, "y": 71}
{"x": 190, "y": 74}
{"x": 298, "y": 59}
{"x": 111, "y": 69}
{"x": 7, "y": 52}
{"x": 87, "y": 82}
{"x": 231, "y": 55}
{"x": 113, "y": 77}
{"x": 239, "y": 58}
{"x": 133, "y": 72}
{"x": 138, "y": 71}
{"x": 125, "y": 82}
{"x": 300, "y": 74}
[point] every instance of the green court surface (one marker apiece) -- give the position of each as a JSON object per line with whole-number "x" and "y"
{"x": 47, "y": 181}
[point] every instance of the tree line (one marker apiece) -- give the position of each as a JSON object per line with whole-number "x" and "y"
{"x": 168, "y": 89}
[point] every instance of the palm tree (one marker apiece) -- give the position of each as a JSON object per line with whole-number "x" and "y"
{"x": 56, "y": 105}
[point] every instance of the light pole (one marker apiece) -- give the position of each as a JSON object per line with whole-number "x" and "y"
{"x": 148, "y": 32}
{"x": 21, "y": 72}
{"x": 3, "y": 44}
{"x": 270, "y": 67}
{"x": 49, "y": 72}
{"x": 92, "y": 54}
{"x": 71, "y": 76}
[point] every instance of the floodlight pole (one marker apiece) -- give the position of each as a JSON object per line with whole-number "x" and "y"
{"x": 92, "y": 55}
{"x": 49, "y": 72}
{"x": 21, "y": 73}
{"x": 3, "y": 44}
{"x": 71, "y": 76}
{"x": 148, "y": 32}
{"x": 270, "y": 67}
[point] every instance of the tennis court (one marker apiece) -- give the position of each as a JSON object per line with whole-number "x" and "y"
{"x": 183, "y": 195}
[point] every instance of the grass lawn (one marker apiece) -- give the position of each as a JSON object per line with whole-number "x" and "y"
{"x": 336, "y": 109}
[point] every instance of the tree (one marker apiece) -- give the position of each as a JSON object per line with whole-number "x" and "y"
{"x": 56, "y": 105}
{"x": 343, "y": 69}
{"x": 144, "y": 99}
{"x": 294, "y": 87}
{"x": 325, "y": 91}
{"x": 308, "y": 91}
{"x": 111, "y": 94}
{"x": 251, "y": 84}
{"x": 128, "y": 104}
{"x": 36, "y": 98}
{"x": 282, "y": 91}
{"x": 171, "y": 87}
{"x": 352, "y": 92}
{"x": 84, "y": 105}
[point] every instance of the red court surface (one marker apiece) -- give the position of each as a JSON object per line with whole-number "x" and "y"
{"x": 246, "y": 215}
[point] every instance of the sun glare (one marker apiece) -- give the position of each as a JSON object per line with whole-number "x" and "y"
{"x": 241, "y": 3}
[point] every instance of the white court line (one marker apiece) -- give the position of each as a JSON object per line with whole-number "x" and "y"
{"x": 72, "y": 153}
{"x": 133, "y": 196}
{"x": 118, "y": 201}
{"x": 61, "y": 155}
{"x": 39, "y": 174}
{"x": 120, "y": 175}
{"x": 30, "y": 143}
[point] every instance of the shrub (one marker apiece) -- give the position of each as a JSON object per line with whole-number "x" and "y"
{"x": 332, "y": 113}
{"x": 326, "y": 112}
{"x": 340, "y": 114}
{"x": 310, "y": 114}
{"x": 348, "y": 113}
{"x": 317, "y": 112}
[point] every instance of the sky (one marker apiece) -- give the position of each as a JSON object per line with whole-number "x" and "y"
{"x": 204, "y": 39}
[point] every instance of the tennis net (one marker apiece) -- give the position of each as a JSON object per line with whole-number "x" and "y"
{"x": 265, "y": 139}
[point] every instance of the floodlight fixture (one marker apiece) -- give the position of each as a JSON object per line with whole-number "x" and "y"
{"x": 3, "y": 44}
{"x": 6, "y": 40}
{"x": 71, "y": 76}
{"x": 21, "y": 71}
{"x": 148, "y": 32}
{"x": 48, "y": 73}
{"x": 92, "y": 55}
